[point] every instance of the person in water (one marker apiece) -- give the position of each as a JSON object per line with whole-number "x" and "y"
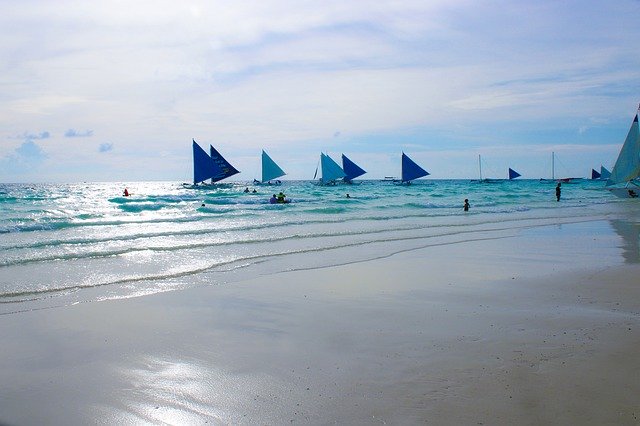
{"x": 246, "y": 189}
{"x": 348, "y": 196}
{"x": 273, "y": 199}
{"x": 126, "y": 192}
{"x": 254, "y": 191}
{"x": 558, "y": 191}
{"x": 466, "y": 204}
{"x": 281, "y": 197}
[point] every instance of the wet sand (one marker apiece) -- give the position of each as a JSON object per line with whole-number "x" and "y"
{"x": 538, "y": 328}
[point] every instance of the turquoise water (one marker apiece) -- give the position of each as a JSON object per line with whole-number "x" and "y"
{"x": 69, "y": 243}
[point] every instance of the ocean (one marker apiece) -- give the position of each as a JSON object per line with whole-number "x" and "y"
{"x": 63, "y": 244}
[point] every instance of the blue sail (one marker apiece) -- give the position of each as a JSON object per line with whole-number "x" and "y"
{"x": 203, "y": 167}
{"x": 513, "y": 174}
{"x": 270, "y": 170}
{"x": 224, "y": 169}
{"x": 604, "y": 173}
{"x": 330, "y": 169}
{"x": 411, "y": 170}
{"x": 595, "y": 174}
{"x": 351, "y": 169}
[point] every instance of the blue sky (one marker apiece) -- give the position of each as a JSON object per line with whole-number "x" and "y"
{"x": 116, "y": 90}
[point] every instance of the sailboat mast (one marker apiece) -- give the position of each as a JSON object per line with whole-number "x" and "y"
{"x": 480, "y": 167}
{"x": 553, "y": 165}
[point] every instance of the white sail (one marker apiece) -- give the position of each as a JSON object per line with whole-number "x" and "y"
{"x": 627, "y": 167}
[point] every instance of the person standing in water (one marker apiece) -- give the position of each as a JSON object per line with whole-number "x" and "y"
{"x": 558, "y": 190}
{"x": 466, "y": 204}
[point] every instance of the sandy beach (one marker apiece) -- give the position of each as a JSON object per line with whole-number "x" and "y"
{"x": 538, "y": 326}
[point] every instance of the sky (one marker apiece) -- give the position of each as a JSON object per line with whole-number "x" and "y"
{"x": 116, "y": 90}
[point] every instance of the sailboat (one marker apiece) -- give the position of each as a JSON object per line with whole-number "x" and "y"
{"x": 513, "y": 174}
{"x": 351, "y": 169}
{"x": 623, "y": 181}
{"x": 330, "y": 171}
{"x": 410, "y": 170}
{"x": 603, "y": 174}
{"x": 553, "y": 173}
{"x": 203, "y": 167}
{"x": 224, "y": 168}
{"x": 270, "y": 170}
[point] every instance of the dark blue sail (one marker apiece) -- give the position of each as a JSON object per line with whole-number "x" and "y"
{"x": 203, "y": 167}
{"x": 411, "y": 170}
{"x": 513, "y": 174}
{"x": 224, "y": 169}
{"x": 595, "y": 174}
{"x": 351, "y": 169}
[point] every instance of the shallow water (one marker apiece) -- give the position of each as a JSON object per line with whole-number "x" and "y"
{"x": 68, "y": 243}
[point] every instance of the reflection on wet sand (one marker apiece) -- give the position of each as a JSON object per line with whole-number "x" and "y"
{"x": 630, "y": 233}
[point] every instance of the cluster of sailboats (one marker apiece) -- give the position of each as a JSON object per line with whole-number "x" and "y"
{"x": 622, "y": 181}
{"x": 214, "y": 167}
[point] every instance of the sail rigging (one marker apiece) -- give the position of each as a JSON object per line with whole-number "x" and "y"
{"x": 410, "y": 170}
{"x": 351, "y": 169}
{"x": 224, "y": 168}
{"x": 270, "y": 170}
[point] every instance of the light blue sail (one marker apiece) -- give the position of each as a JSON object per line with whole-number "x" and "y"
{"x": 224, "y": 168}
{"x": 270, "y": 170}
{"x": 330, "y": 169}
{"x": 410, "y": 170}
{"x": 604, "y": 173}
{"x": 351, "y": 169}
{"x": 203, "y": 167}
{"x": 513, "y": 174}
{"x": 627, "y": 167}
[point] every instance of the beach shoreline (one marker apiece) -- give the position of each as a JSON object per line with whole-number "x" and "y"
{"x": 535, "y": 327}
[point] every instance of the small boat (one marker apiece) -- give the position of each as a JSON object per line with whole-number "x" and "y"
{"x": 206, "y": 166}
{"x": 513, "y": 174}
{"x": 203, "y": 167}
{"x": 330, "y": 171}
{"x": 410, "y": 170}
{"x": 624, "y": 180}
{"x": 351, "y": 169}
{"x": 553, "y": 173}
{"x": 270, "y": 171}
{"x": 603, "y": 174}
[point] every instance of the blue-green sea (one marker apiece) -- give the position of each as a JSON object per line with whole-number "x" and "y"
{"x": 70, "y": 243}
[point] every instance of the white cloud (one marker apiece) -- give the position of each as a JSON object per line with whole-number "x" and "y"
{"x": 151, "y": 75}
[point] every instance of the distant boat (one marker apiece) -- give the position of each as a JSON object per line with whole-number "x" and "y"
{"x": 351, "y": 169}
{"x": 553, "y": 173}
{"x": 270, "y": 170}
{"x": 623, "y": 181}
{"x": 513, "y": 174}
{"x": 225, "y": 169}
{"x": 488, "y": 180}
{"x": 410, "y": 170}
{"x": 330, "y": 171}
{"x": 203, "y": 167}
{"x": 595, "y": 175}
